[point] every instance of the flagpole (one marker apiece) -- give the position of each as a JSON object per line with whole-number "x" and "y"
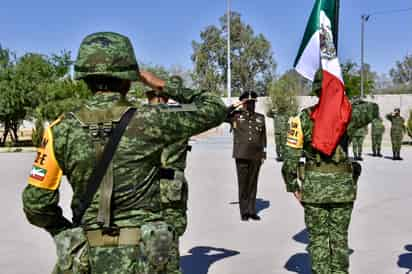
{"x": 336, "y": 34}
{"x": 229, "y": 65}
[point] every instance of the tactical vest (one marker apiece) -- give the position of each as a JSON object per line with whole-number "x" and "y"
{"x": 100, "y": 124}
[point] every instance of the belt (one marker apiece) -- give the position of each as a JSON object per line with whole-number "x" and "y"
{"x": 329, "y": 167}
{"x": 122, "y": 236}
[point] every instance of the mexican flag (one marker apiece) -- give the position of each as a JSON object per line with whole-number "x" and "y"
{"x": 318, "y": 51}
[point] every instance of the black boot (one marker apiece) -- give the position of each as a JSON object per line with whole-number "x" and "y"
{"x": 379, "y": 153}
{"x": 399, "y": 157}
{"x": 395, "y": 156}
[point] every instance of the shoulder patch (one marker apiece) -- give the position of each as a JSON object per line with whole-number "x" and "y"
{"x": 295, "y": 133}
{"x": 46, "y": 172}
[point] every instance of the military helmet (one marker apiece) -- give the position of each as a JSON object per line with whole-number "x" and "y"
{"x": 106, "y": 54}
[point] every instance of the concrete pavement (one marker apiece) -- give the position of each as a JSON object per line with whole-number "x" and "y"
{"x": 216, "y": 241}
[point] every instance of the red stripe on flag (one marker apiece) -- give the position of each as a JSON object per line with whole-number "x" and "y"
{"x": 331, "y": 115}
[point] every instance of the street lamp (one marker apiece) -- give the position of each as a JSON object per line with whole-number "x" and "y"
{"x": 364, "y": 19}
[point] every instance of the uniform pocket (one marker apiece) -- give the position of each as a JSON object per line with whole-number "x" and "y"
{"x": 171, "y": 190}
{"x": 72, "y": 251}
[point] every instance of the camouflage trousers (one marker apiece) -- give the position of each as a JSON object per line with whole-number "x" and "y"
{"x": 376, "y": 143}
{"x": 357, "y": 145}
{"x": 328, "y": 226}
{"x": 176, "y": 217}
{"x": 76, "y": 256}
{"x": 396, "y": 142}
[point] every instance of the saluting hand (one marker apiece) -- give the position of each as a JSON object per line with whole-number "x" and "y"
{"x": 151, "y": 80}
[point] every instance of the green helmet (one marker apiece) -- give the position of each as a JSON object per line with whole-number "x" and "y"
{"x": 106, "y": 54}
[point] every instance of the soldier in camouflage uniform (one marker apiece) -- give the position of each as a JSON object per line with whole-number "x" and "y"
{"x": 174, "y": 186}
{"x": 124, "y": 229}
{"x": 397, "y": 132}
{"x": 377, "y": 131}
{"x": 325, "y": 185}
{"x": 357, "y": 142}
{"x": 280, "y": 127}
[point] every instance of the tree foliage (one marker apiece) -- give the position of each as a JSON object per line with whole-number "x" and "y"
{"x": 402, "y": 72}
{"x": 351, "y": 76}
{"x": 35, "y": 87}
{"x": 283, "y": 93}
{"x": 252, "y": 63}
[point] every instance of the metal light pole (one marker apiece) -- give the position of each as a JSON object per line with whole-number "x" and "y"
{"x": 364, "y": 19}
{"x": 229, "y": 64}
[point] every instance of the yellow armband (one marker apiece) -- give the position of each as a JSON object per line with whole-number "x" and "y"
{"x": 295, "y": 133}
{"x": 46, "y": 172}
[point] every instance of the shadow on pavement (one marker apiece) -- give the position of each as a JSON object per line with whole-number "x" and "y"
{"x": 202, "y": 257}
{"x": 302, "y": 237}
{"x": 299, "y": 263}
{"x": 405, "y": 260}
{"x": 261, "y": 205}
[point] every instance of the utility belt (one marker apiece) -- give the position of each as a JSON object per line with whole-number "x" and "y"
{"x": 329, "y": 167}
{"x": 114, "y": 237}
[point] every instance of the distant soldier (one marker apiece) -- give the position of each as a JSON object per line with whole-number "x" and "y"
{"x": 280, "y": 127}
{"x": 357, "y": 142}
{"x": 249, "y": 150}
{"x": 397, "y": 132}
{"x": 377, "y": 132}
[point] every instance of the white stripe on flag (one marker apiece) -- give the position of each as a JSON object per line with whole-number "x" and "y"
{"x": 309, "y": 62}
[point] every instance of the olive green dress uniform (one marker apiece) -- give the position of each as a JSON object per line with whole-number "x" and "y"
{"x": 280, "y": 127}
{"x": 397, "y": 133}
{"x": 357, "y": 142}
{"x": 249, "y": 151}
{"x": 377, "y": 131}
{"x": 328, "y": 187}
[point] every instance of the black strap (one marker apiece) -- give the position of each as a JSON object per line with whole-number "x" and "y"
{"x": 101, "y": 167}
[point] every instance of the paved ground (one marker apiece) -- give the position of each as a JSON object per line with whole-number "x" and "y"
{"x": 216, "y": 242}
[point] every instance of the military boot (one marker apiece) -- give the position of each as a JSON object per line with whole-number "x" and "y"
{"x": 379, "y": 153}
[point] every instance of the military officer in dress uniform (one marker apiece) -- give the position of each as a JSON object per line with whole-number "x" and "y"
{"x": 249, "y": 150}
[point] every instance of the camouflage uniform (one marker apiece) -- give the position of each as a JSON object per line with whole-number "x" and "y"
{"x": 397, "y": 132}
{"x": 357, "y": 142}
{"x": 174, "y": 191}
{"x": 328, "y": 188}
{"x": 377, "y": 132}
{"x": 280, "y": 127}
{"x": 70, "y": 148}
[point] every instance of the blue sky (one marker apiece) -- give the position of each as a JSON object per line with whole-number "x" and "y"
{"x": 162, "y": 30}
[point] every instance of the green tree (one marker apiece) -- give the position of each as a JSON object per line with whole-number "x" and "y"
{"x": 35, "y": 86}
{"x": 351, "y": 77}
{"x": 283, "y": 93}
{"x": 253, "y": 65}
{"x": 402, "y": 72}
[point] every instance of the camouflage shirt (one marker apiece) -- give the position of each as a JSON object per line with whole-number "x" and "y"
{"x": 322, "y": 186}
{"x": 135, "y": 197}
{"x": 398, "y": 125}
{"x": 378, "y": 127}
